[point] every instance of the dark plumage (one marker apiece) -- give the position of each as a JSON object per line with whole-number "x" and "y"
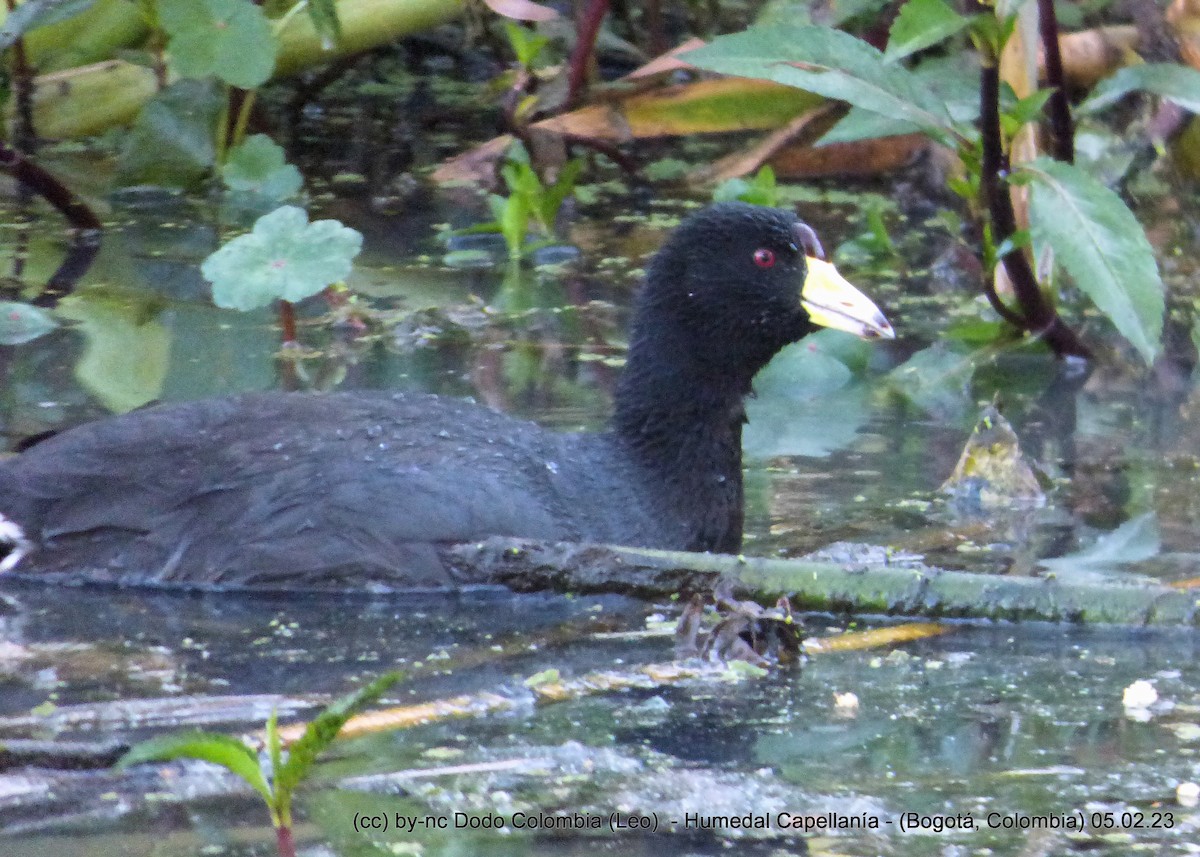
{"x": 359, "y": 489}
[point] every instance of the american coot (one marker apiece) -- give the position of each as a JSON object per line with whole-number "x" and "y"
{"x": 358, "y": 490}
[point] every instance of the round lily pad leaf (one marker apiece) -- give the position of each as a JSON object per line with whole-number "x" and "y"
{"x": 282, "y": 257}
{"x": 229, "y": 39}
{"x": 258, "y": 166}
{"x": 21, "y": 323}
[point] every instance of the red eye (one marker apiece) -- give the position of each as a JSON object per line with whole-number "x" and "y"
{"x": 764, "y": 258}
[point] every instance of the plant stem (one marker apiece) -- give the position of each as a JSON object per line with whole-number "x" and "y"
{"x": 1058, "y": 110}
{"x": 283, "y": 841}
{"x": 24, "y": 135}
{"x": 1037, "y": 315}
{"x": 586, "y": 31}
{"x": 287, "y": 321}
{"x": 48, "y": 187}
{"x": 246, "y": 99}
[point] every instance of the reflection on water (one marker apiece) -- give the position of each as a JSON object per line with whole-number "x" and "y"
{"x": 1018, "y": 721}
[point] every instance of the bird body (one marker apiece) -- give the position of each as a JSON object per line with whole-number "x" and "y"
{"x": 360, "y": 490}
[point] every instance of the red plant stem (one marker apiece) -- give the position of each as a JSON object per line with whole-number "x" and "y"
{"x": 1058, "y": 109}
{"x": 283, "y": 841}
{"x": 287, "y": 321}
{"x": 586, "y": 30}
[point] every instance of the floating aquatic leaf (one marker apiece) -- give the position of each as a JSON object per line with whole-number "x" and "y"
{"x": 229, "y": 39}
{"x": 1099, "y": 242}
{"x": 128, "y": 350}
{"x": 21, "y": 323}
{"x": 282, "y": 257}
{"x": 258, "y": 165}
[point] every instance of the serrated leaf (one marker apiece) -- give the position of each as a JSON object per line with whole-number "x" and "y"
{"x": 282, "y": 257}
{"x": 830, "y": 63}
{"x": 1178, "y": 83}
{"x": 1102, "y": 246}
{"x": 229, "y": 39}
{"x": 953, "y": 80}
{"x": 21, "y": 323}
{"x": 921, "y": 24}
{"x": 258, "y": 165}
{"x": 212, "y": 747}
{"x": 321, "y": 731}
{"x": 38, "y": 13}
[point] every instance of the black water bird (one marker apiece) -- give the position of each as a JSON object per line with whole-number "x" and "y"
{"x": 360, "y": 490}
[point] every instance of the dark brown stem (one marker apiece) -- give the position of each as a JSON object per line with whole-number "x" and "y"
{"x": 654, "y": 27}
{"x": 48, "y": 187}
{"x": 24, "y": 133}
{"x": 1058, "y": 109}
{"x": 284, "y": 842}
{"x": 1037, "y": 315}
{"x": 586, "y": 31}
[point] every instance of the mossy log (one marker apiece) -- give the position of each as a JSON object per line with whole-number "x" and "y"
{"x": 528, "y": 566}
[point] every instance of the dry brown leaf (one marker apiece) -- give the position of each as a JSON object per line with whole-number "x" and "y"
{"x": 669, "y": 61}
{"x": 749, "y": 160}
{"x": 853, "y": 641}
{"x": 858, "y": 158}
{"x": 1184, "y": 17}
{"x": 704, "y": 106}
{"x": 1090, "y": 55}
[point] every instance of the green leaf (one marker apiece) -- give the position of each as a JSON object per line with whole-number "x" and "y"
{"x": 127, "y": 351}
{"x": 552, "y": 197}
{"x": 322, "y": 730}
{"x": 171, "y": 142}
{"x": 21, "y": 323}
{"x": 229, "y": 39}
{"x": 921, "y": 24}
{"x": 830, "y": 63}
{"x": 938, "y": 381}
{"x": 324, "y": 17}
{"x": 1133, "y": 541}
{"x": 953, "y": 80}
{"x": 258, "y": 165}
{"x": 283, "y": 256}
{"x": 526, "y": 44}
{"x": 1029, "y": 108}
{"x": 1179, "y": 83}
{"x": 212, "y": 747}
{"x": 1101, "y": 245}
{"x": 38, "y": 13}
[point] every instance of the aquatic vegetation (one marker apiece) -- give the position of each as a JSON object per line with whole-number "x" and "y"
{"x": 278, "y": 783}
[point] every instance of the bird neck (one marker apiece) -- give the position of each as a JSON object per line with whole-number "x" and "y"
{"x": 681, "y": 423}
